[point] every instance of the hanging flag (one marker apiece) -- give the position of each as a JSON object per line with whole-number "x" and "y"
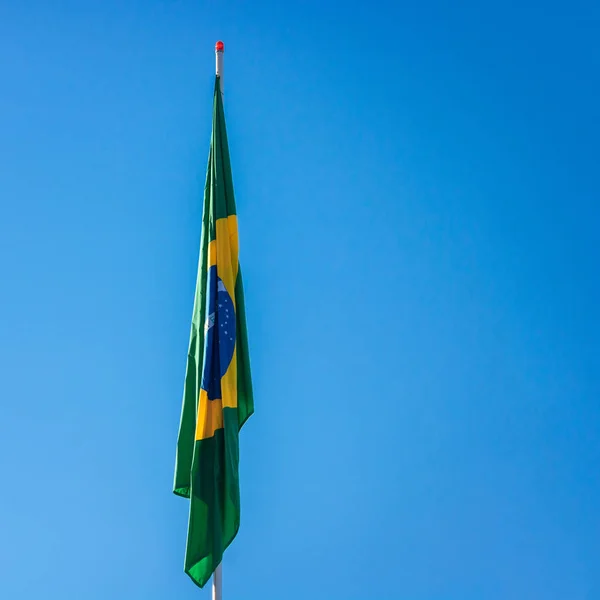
{"x": 217, "y": 397}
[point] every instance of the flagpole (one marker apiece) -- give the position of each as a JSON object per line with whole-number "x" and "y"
{"x": 217, "y": 587}
{"x": 219, "y": 51}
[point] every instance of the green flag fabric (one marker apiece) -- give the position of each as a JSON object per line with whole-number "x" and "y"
{"x": 217, "y": 398}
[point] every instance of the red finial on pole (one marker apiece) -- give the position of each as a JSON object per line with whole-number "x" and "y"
{"x": 219, "y": 46}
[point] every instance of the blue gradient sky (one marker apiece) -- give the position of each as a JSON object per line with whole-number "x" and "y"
{"x": 417, "y": 188}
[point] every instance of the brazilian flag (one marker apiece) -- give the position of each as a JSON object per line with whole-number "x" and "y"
{"x": 217, "y": 397}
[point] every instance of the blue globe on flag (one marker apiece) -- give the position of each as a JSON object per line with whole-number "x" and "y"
{"x": 220, "y": 329}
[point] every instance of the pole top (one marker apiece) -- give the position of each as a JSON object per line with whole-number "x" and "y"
{"x": 219, "y": 55}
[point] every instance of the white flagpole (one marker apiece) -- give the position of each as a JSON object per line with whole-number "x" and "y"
{"x": 217, "y": 587}
{"x": 219, "y": 51}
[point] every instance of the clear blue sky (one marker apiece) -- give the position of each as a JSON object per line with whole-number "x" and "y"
{"x": 417, "y": 187}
